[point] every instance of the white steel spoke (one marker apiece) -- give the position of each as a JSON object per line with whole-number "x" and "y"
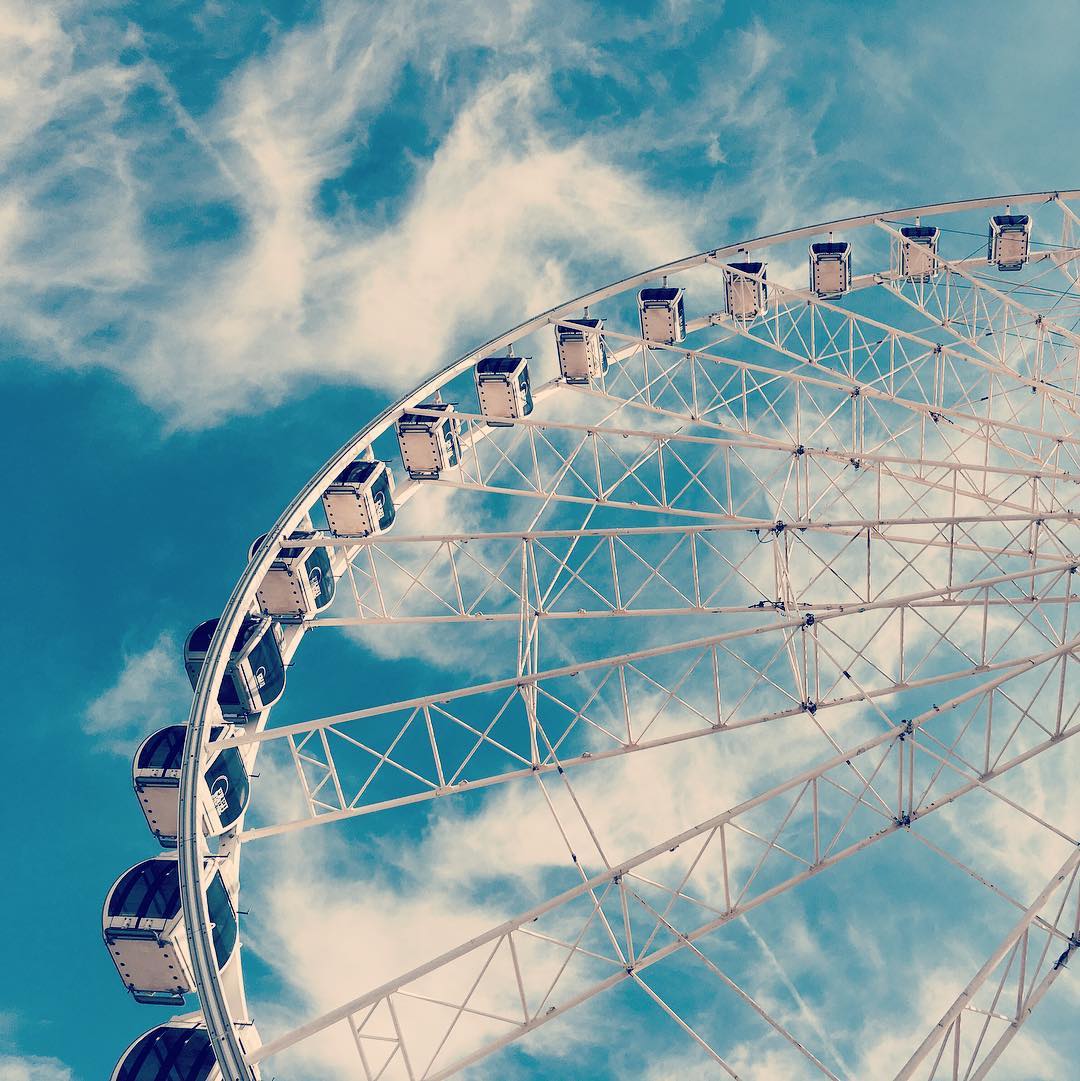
{"x": 830, "y": 521}
{"x": 831, "y": 819}
{"x": 989, "y": 1012}
{"x": 887, "y": 364}
{"x": 684, "y": 1026}
{"x": 679, "y": 473}
{"x": 986, "y": 311}
{"x": 695, "y": 951}
{"x": 502, "y": 717}
{"x": 661, "y": 570}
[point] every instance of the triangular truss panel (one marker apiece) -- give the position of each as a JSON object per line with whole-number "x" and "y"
{"x": 726, "y": 585}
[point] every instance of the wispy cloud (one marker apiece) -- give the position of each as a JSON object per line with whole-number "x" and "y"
{"x": 403, "y": 904}
{"x": 510, "y": 203}
{"x": 490, "y": 229}
{"x": 17, "y": 1068}
{"x": 498, "y": 222}
{"x": 150, "y": 691}
{"x": 807, "y": 1011}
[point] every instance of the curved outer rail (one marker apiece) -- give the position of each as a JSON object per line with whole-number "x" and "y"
{"x": 212, "y": 997}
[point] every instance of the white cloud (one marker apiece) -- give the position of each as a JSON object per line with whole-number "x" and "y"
{"x": 485, "y": 239}
{"x": 17, "y": 1068}
{"x": 504, "y": 218}
{"x": 408, "y": 902}
{"x": 70, "y": 217}
{"x": 150, "y": 692}
{"x": 510, "y": 211}
{"x": 500, "y": 221}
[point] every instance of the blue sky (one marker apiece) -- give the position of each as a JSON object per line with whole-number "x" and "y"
{"x": 231, "y": 233}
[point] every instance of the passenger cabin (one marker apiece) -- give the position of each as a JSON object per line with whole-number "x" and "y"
{"x": 177, "y": 1051}
{"x": 663, "y": 316}
{"x": 300, "y": 581}
{"x": 1009, "y": 241}
{"x": 155, "y": 775}
{"x": 918, "y": 252}
{"x": 429, "y": 444}
{"x": 745, "y": 290}
{"x": 174, "y": 1052}
{"x": 502, "y": 385}
{"x": 583, "y": 355}
{"x": 361, "y": 501}
{"x": 255, "y": 675}
{"x": 143, "y": 927}
{"x": 830, "y": 268}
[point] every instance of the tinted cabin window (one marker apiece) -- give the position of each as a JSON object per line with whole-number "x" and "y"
{"x": 357, "y": 472}
{"x": 293, "y": 553}
{"x": 318, "y": 568}
{"x": 227, "y": 780}
{"x": 164, "y": 749}
{"x": 247, "y": 629}
{"x": 169, "y": 1054}
{"x": 199, "y": 641}
{"x": 150, "y": 891}
{"x": 380, "y": 492}
{"x": 451, "y": 444}
{"x": 223, "y": 918}
{"x": 227, "y": 695}
{"x": 267, "y": 669}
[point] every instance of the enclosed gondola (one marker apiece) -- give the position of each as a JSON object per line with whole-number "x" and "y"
{"x": 255, "y": 675}
{"x": 502, "y": 385}
{"x": 360, "y": 502}
{"x": 662, "y": 315}
{"x": 745, "y": 291}
{"x": 830, "y": 268}
{"x": 143, "y": 927}
{"x": 583, "y": 355}
{"x": 918, "y": 252}
{"x": 155, "y": 774}
{"x": 429, "y": 444}
{"x": 1009, "y": 241}
{"x": 178, "y": 1051}
{"x": 299, "y": 582}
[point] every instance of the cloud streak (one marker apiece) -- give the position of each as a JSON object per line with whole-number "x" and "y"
{"x": 18, "y": 1068}
{"x": 503, "y": 218}
{"x": 150, "y": 692}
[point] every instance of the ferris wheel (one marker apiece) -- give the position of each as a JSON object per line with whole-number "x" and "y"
{"x": 680, "y": 599}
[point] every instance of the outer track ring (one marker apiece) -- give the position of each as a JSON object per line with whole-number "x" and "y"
{"x": 213, "y": 1000}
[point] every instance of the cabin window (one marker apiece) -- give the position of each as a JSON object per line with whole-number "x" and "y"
{"x": 227, "y": 694}
{"x": 163, "y": 750}
{"x": 228, "y": 782}
{"x": 266, "y": 666}
{"x": 223, "y": 919}
{"x": 150, "y": 891}
{"x": 451, "y": 444}
{"x": 169, "y": 1054}
{"x": 384, "y": 505}
{"x": 322, "y": 580}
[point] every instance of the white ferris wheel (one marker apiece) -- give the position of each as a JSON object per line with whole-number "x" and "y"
{"x": 790, "y": 524}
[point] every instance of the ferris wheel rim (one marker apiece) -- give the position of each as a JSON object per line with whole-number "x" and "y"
{"x": 213, "y": 1002}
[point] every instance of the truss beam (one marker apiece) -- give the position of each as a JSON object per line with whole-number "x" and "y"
{"x": 1025, "y": 964}
{"x": 831, "y": 838}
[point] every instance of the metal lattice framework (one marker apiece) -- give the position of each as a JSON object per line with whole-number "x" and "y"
{"x": 851, "y": 522}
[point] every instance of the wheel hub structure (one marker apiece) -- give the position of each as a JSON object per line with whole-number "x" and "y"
{"x": 699, "y": 670}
